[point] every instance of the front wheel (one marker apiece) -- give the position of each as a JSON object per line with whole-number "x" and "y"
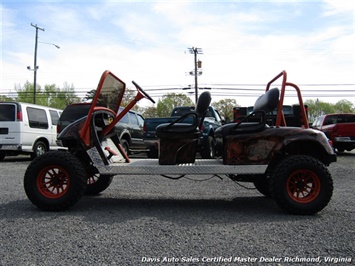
{"x": 55, "y": 181}
{"x": 301, "y": 185}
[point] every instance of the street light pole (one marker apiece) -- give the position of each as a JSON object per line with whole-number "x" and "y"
{"x": 35, "y": 67}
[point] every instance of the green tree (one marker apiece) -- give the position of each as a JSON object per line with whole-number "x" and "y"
{"x": 150, "y": 112}
{"x": 89, "y": 95}
{"x": 67, "y": 95}
{"x": 25, "y": 93}
{"x": 170, "y": 101}
{"x": 4, "y": 98}
{"x": 344, "y": 106}
{"x": 51, "y": 95}
{"x": 128, "y": 97}
{"x": 317, "y": 108}
{"x": 225, "y": 108}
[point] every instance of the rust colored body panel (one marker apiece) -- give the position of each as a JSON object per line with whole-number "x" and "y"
{"x": 261, "y": 147}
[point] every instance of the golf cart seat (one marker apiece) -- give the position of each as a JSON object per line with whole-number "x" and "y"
{"x": 264, "y": 104}
{"x": 231, "y": 137}
{"x": 178, "y": 139}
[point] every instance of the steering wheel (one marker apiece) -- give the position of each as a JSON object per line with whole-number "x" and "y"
{"x": 143, "y": 92}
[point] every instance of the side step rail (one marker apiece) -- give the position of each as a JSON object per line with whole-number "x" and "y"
{"x": 200, "y": 167}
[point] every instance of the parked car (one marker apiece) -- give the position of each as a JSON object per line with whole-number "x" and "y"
{"x": 339, "y": 128}
{"x": 27, "y": 129}
{"x": 129, "y": 129}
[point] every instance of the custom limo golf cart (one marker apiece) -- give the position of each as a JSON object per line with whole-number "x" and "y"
{"x": 288, "y": 164}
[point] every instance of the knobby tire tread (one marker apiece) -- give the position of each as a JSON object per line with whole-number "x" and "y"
{"x": 278, "y": 187}
{"x": 78, "y": 181}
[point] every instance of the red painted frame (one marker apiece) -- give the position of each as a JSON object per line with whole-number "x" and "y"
{"x": 280, "y": 119}
{"x": 85, "y": 132}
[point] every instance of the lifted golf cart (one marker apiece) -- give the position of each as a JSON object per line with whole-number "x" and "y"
{"x": 285, "y": 163}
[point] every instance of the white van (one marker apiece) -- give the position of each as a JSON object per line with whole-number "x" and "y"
{"x": 27, "y": 129}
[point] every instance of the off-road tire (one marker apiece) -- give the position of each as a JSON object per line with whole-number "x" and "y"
{"x": 55, "y": 181}
{"x": 97, "y": 183}
{"x": 301, "y": 184}
{"x": 262, "y": 184}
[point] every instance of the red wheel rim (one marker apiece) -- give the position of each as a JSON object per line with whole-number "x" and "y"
{"x": 303, "y": 186}
{"x": 53, "y": 181}
{"x": 93, "y": 179}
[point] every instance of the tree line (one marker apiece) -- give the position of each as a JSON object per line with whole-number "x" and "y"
{"x": 50, "y": 95}
{"x": 53, "y": 96}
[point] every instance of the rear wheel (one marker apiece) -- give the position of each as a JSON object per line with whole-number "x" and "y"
{"x": 261, "y": 183}
{"x": 55, "y": 181}
{"x": 301, "y": 185}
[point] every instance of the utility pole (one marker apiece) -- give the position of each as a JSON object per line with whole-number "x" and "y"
{"x": 196, "y": 51}
{"x": 35, "y": 67}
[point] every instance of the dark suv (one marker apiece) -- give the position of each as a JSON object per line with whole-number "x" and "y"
{"x": 129, "y": 129}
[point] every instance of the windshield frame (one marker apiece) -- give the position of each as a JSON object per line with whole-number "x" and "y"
{"x": 109, "y": 94}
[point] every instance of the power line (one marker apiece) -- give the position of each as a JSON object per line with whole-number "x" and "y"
{"x": 306, "y": 84}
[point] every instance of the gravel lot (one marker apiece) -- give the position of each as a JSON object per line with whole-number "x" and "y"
{"x": 149, "y": 220}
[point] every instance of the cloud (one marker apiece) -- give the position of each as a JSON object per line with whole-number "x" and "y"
{"x": 243, "y": 42}
{"x": 335, "y": 7}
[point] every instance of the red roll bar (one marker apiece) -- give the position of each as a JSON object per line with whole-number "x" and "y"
{"x": 280, "y": 119}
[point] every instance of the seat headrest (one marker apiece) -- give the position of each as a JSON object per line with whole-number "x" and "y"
{"x": 268, "y": 101}
{"x": 203, "y": 103}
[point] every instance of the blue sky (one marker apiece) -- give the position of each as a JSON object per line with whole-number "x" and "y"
{"x": 245, "y": 44}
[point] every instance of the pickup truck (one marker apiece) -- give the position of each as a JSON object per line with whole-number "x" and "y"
{"x": 206, "y": 142}
{"x": 292, "y": 114}
{"x": 339, "y": 128}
